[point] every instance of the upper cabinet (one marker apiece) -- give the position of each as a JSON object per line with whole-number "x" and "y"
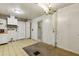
{"x": 11, "y": 20}
{"x": 3, "y": 28}
{"x": 2, "y": 24}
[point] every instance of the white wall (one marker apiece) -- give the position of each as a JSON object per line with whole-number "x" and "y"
{"x": 68, "y": 28}
{"x": 47, "y": 28}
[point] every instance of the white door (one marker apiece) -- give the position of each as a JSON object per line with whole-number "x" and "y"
{"x": 34, "y": 31}
{"x": 48, "y": 34}
{"x": 27, "y": 29}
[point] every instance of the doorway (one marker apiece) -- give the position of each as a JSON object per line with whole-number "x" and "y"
{"x": 40, "y": 30}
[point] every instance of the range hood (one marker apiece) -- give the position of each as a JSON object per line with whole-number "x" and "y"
{"x": 11, "y": 20}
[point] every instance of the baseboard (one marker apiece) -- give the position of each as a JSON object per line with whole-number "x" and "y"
{"x": 59, "y": 47}
{"x": 17, "y": 39}
{"x": 68, "y": 50}
{"x": 4, "y": 43}
{"x": 35, "y": 40}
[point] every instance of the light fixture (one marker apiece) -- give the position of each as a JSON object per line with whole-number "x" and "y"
{"x": 48, "y": 9}
{"x": 17, "y": 10}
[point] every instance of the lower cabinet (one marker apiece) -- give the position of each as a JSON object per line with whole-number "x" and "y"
{"x": 3, "y": 38}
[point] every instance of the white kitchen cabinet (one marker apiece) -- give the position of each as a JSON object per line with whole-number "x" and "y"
{"x": 12, "y": 21}
{"x": 21, "y": 30}
{"x": 2, "y": 24}
{"x": 3, "y": 38}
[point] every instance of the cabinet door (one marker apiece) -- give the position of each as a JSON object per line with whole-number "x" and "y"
{"x": 0, "y": 39}
{"x": 3, "y": 39}
{"x": 2, "y": 24}
{"x": 12, "y": 21}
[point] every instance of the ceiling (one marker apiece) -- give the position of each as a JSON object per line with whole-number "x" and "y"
{"x": 31, "y": 10}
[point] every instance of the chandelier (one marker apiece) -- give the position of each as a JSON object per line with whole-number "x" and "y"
{"x": 48, "y": 8}
{"x": 51, "y": 10}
